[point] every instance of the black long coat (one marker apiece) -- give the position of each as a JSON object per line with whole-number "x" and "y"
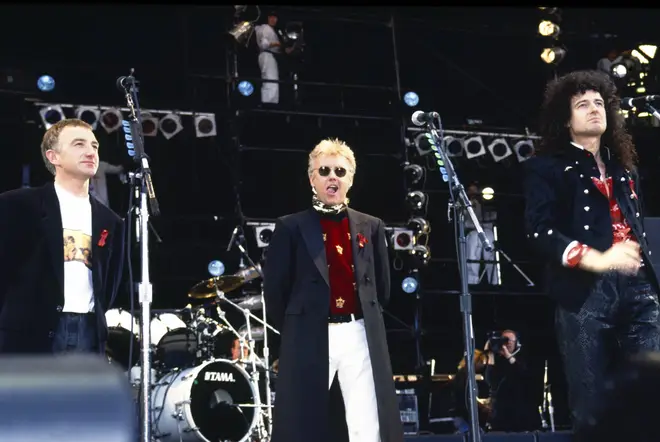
{"x": 297, "y": 292}
{"x": 564, "y": 205}
{"x": 32, "y": 267}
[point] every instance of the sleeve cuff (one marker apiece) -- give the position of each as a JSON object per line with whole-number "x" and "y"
{"x": 564, "y": 256}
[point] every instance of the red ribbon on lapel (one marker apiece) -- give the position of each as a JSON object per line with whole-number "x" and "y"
{"x": 104, "y": 235}
{"x": 361, "y": 240}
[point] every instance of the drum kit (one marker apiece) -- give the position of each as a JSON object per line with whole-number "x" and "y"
{"x": 209, "y": 382}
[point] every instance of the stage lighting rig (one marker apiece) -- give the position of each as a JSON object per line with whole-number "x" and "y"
{"x": 401, "y": 238}
{"x": 417, "y": 201}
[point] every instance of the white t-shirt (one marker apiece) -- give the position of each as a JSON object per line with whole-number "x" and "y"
{"x": 77, "y": 234}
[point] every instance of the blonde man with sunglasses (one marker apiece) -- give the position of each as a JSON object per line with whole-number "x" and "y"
{"x": 326, "y": 281}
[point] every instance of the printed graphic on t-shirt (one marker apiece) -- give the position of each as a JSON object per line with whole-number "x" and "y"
{"x": 77, "y": 247}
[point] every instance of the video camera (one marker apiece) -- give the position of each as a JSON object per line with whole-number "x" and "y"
{"x": 496, "y": 341}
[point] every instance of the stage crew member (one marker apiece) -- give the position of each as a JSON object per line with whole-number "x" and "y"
{"x": 61, "y": 252}
{"x": 326, "y": 280}
{"x": 584, "y": 215}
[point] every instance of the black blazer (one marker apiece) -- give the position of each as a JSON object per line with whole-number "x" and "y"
{"x": 563, "y": 204}
{"x": 32, "y": 267}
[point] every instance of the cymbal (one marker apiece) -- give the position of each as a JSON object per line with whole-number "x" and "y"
{"x": 250, "y": 302}
{"x": 257, "y": 332}
{"x": 207, "y": 289}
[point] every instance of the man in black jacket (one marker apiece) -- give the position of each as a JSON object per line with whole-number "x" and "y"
{"x": 584, "y": 216}
{"x": 326, "y": 280}
{"x": 61, "y": 253}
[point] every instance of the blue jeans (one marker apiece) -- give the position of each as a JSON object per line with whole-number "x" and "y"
{"x": 76, "y": 332}
{"x": 618, "y": 319}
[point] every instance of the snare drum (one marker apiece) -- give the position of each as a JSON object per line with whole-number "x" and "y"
{"x": 214, "y": 401}
{"x": 176, "y": 344}
{"x": 120, "y": 335}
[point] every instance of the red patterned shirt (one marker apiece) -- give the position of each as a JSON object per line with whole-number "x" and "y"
{"x": 620, "y": 228}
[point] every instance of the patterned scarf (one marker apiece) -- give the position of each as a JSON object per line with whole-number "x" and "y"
{"x": 321, "y": 207}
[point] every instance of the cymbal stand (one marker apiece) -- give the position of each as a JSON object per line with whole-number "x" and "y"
{"x": 254, "y": 376}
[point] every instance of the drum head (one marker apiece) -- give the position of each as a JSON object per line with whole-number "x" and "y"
{"x": 222, "y": 402}
{"x": 120, "y": 336}
{"x": 177, "y": 349}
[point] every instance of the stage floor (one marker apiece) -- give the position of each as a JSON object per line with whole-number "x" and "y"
{"x": 560, "y": 436}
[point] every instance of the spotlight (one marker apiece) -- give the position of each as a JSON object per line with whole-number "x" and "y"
{"x": 402, "y": 239}
{"x": 170, "y": 125}
{"x": 413, "y": 173}
{"x": 499, "y": 149}
{"x": 51, "y": 115}
{"x": 205, "y": 125}
{"x": 245, "y": 88}
{"x": 416, "y": 200}
{"x": 548, "y": 29}
{"x": 89, "y": 115}
{"x": 46, "y": 83}
{"x": 411, "y": 99}
{"x": 553, "y": 55}
{"x": 216, "y": 268}
{"x": 242, "y": 32}
{"x": 111, "y": 120}
{"x": 625, "y": 65}
{"x": 149, "y": 125}
{"x": 409, "y": 284}
{"x": 422, "y": 144}
{"x": 524, "y": 150}
{"x": 419, "y": 226}
{"x": 454, "y": 146}
{"x": 487, "y": 193}
{"x": 263, "y": 233}
{"x": 421, "y": 254}
{"x": 474, "y": 147}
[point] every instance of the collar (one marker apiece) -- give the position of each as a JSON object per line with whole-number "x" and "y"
{"x": 607, "y": 149}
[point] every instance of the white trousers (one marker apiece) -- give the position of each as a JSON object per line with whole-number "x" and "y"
{"x": 270, "y": 92}
{"x": 475, "y": 251}
{"x": 350, "y": 360}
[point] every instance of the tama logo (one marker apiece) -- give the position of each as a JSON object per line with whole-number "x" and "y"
{"x": 215, "y": 376}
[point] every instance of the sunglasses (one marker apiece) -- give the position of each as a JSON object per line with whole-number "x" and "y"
{"x": 340, "y": 172}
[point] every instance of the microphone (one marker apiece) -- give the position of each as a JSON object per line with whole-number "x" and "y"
{"x": 233, "y": 238}
{"x": 628, "y": 103}
{"x": 124, "y": 82}
{"x": 420, "y": 118}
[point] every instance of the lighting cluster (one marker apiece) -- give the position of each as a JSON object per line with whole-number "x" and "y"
{"x": 553, "y": 53}
{"x": 472, "y": 145}
{"x": 634, "y": 67}
{"x": 110, "y": 118}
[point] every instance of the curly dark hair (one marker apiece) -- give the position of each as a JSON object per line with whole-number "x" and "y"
{"x": 556, "y": 113}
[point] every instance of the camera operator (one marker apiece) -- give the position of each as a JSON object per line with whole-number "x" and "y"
{"x": 512, "y": 408}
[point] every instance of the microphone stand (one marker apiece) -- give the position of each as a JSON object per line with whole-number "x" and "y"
{"x": 460, "y": 203}
{"x": 135, "y": 143}
{"x": 653, "y": 110}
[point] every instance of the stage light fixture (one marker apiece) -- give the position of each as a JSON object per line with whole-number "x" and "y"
{"x": 487, "y": 193}
{"x": 416, "y": 200}
{"x": 409, "y": 284}
{"x": 51, "y": 115}
{"x": 549, "y": 29}
{"x": 242, "y": 32}
{"x": 419, "y": 226}
{"x": 474, "y": 147}
{"x": 411, "y": 99}
{"x": 245, "y": 88}
{"x": 401, "y": 238}
{"x": 89, "y": 115}
{"x": 170, "y": 125}
{"x": 111, "y": 119}
{"x": 524, "y": 150}
{"x": 414, "y": 173}
{"x": 263, "y": 234}
{"x": 149, "y": 125}
{"x": 205, "y": 125}
{"x": 553, "y": 55}
{"x": 46, "y": 83}
{"x": 499, "y": 149}
{"x": 421, "y": 254}
{"x": 216, "y": 268}
{"x": 422, "y": 144}
{"x": 454, "y": 146}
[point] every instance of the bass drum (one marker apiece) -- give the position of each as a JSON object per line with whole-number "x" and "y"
{"x": 214, "y": 401}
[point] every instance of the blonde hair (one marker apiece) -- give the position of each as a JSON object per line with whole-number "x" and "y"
{"x": 331, "y": 146}
{"x": 52, "y": 137}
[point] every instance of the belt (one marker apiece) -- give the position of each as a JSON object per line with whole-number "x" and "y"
{"x": 340, "y": 319}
